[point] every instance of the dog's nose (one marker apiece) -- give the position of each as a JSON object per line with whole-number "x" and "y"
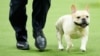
{"x": 83, "y": 20}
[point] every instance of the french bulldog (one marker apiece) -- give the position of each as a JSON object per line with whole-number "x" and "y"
{"x": 73, "y": 26}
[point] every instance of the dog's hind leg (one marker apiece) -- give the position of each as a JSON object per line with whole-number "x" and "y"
{"x": 68, "y": 41}
{"x": 59, "y": 36}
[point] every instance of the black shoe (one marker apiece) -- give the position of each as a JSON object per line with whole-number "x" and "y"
{"x": 23, "y": 45}
{"x": 40, "y": 40}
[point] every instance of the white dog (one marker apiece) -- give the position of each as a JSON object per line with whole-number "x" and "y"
{"x": 72, "y": 26}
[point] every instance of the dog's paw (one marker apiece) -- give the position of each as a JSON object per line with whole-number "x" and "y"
{"x": 61, "y": 48}
{"x": 83, "y": 50}
{"x": 69, "y": 47}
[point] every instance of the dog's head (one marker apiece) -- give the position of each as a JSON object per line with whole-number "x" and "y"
{"x": 80, "y": 17}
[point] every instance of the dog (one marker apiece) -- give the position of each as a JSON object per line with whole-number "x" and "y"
{"x": 73, "y": 26}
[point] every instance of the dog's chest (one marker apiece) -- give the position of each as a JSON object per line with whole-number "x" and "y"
{"x": 76, "y": 34}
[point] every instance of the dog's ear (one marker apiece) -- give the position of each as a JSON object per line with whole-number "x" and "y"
{"x": 87, "y": 8}
{"x": 73, "y": 8}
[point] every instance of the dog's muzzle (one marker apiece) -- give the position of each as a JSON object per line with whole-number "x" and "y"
{"x": 83, "y": 25}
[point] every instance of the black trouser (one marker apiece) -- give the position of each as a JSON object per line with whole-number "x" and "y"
{"x": 18, "y": 16}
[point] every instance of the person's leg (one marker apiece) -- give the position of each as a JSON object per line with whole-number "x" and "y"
{"x": 40, "y": 10}
{"x": 18, "y": 18}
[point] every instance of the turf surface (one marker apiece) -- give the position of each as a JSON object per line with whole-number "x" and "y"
{"x": 58, "y": 8}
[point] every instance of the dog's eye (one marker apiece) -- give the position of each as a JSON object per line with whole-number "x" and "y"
{"x": 78, "y": 17}
{"x": 87, "y": 16}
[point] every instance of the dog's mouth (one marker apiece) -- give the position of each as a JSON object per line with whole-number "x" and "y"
{"x": 83, "y": 25}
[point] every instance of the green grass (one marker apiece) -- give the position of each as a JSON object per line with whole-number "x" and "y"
{"x": 58, "y": 8}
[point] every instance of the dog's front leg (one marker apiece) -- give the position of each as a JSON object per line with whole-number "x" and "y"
{"x": 68, "y": 41}
{"x": 84, "y": 43}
